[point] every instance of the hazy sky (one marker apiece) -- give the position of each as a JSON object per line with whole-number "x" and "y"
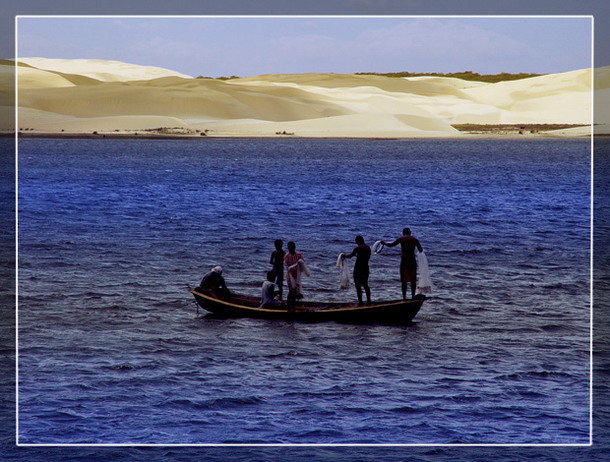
{"x": 251, "y": 46}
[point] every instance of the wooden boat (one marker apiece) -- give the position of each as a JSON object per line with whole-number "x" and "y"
{"x": 243, "y": 306}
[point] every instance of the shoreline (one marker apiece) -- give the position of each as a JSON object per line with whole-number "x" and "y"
{"x": 132, "y": 136}
{"x": 465, "y": 131}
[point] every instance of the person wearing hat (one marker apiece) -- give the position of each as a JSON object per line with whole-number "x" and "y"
{"x": 214, "y": 283}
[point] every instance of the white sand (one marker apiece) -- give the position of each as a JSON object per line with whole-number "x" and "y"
{"x": 106, "y": 71}
{"x": 82, "y": 96}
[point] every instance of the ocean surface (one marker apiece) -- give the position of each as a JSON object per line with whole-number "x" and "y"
{"x": 113, "y": 233}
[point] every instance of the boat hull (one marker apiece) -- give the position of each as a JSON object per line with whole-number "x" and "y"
{"x": 238, "y": 306}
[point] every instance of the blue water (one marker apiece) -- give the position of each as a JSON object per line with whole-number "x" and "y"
{"x": 113, "y": 232}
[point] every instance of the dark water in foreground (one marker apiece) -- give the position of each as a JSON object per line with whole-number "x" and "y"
{"x": 111, "y": 350}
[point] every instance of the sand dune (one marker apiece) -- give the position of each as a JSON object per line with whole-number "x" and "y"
{"x": 602, "y": 100}
{"x": 352, "y": 126}
{"x": 81, "y": 96}
{"x": 558, "y": 98}
{"x": 105, "y": 71}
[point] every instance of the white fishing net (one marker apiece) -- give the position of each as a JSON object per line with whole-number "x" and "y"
{"x": 342, "y": 265}
{"x": 424, "y": 283}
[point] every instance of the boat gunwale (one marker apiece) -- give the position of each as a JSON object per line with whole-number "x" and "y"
{"x": 300, "y": 309}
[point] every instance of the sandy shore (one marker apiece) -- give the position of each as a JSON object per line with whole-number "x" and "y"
{"x": 481, "y": 132}
{"x": 112, "y": 99}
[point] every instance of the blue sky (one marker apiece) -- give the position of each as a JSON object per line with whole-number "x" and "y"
{"x": 253, "y": 45}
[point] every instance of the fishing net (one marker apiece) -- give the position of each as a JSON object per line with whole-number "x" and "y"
{"x": 342, "y": 265}
{"x": 424, "y": 283}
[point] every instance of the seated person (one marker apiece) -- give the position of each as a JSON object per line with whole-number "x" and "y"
{"x": 214, "y": 284}
{"x": 270, "y": 290}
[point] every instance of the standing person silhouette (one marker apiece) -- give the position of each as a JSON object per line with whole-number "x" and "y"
{"x": 408, "y": 263}
{"x": 277, "y": 260}
{"x": 362, "y": 252}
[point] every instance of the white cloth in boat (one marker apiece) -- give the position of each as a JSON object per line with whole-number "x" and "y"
{"x": 342, "y": 265}
{"x": 424, "y": 283}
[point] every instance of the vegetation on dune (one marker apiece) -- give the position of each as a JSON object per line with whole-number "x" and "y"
{"x": 218, "y": 78}
{"x": 466, "y": 75}
{"x": 512, "y": 128}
